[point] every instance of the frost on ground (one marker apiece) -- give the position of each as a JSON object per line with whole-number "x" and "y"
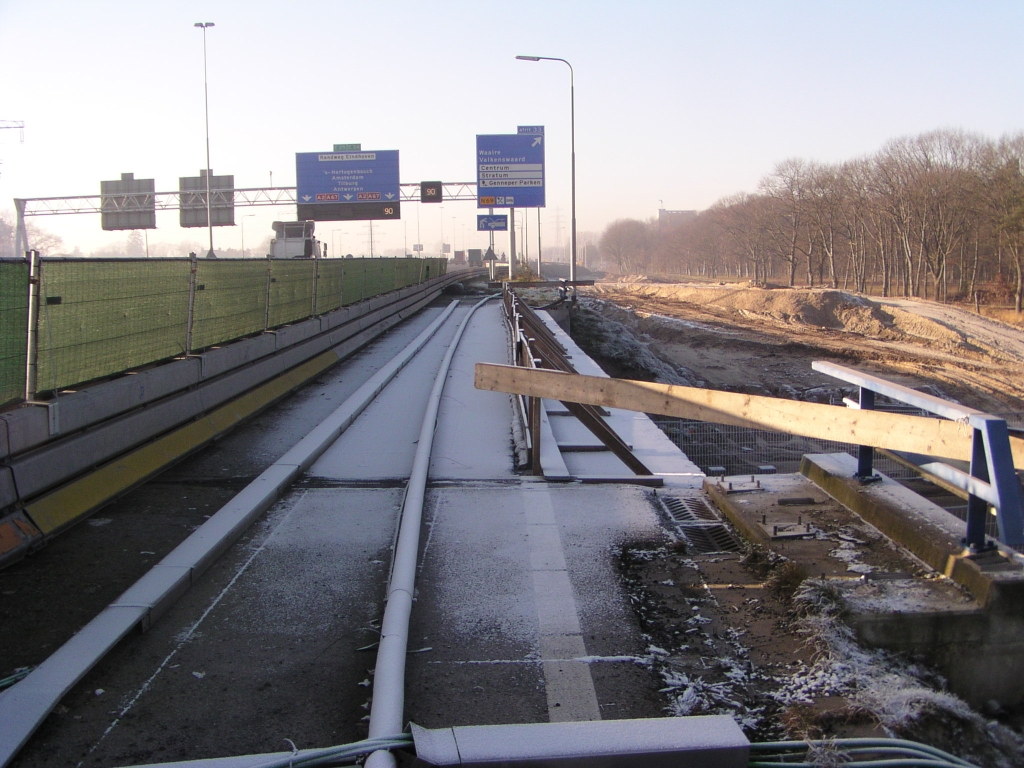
{"x": 905, "y": 698}
{"x": 610, "y": 341}
{"x": 777, "y": 657}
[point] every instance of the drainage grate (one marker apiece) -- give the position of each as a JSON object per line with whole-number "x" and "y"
{"x": 689, "y": 510}
{"x": 707, "y": 539}
{"x": 698, "y": 522}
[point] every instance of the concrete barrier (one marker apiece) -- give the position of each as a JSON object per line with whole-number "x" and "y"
{"x": 44, "y": 447}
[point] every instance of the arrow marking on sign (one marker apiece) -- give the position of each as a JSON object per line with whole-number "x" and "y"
{"x": 348, "y": 197}
{"x": 389, "y": 195}
{"x": 537, "y": 141}
{"x": 306, "y": 198}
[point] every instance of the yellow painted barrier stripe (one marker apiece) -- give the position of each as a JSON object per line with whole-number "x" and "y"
{"x": 71, "y": 502}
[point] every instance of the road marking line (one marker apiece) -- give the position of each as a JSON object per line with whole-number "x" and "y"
{"x": 567, "y": 679}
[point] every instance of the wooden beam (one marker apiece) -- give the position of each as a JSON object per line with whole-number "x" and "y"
{"x": 898, "y": 432}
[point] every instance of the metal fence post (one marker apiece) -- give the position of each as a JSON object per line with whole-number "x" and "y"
{"x": 32, "y": 335}
{"x": 316, "y": 276}
{"x": 266, "y": 303}
{"x": 866, "y": 453}
{"x": 534, "y": 408}
{"x": 192, "y": 269}
{"x": 995, "y": 460}
{"x": 977, "y": 508}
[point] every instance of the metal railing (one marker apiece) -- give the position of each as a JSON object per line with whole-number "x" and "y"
{"x": 535, "y": 346}
{"x": 990, "y": 479}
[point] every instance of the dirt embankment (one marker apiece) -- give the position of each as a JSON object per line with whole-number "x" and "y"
{"x": 757, "y": 340}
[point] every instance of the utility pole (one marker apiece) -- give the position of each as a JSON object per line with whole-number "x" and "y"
{"x": 206, "y": 99}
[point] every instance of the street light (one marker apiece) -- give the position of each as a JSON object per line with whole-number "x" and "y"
{"x": 572, "y": 131}
{"x": 206, "y": 98}
{"x": 244, "y": 217}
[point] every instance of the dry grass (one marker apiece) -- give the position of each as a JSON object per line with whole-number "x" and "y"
{"x": 1003, "y": 315}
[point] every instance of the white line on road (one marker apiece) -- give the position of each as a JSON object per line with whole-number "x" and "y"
{"x": 570, "y": 687}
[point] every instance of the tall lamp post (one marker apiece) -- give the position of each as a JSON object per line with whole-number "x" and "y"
{"x": 206, "y": 98}
{"x": 244, "y": 217}
{"x": 572, "y": 132}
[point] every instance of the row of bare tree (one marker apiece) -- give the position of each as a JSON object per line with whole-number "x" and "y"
{"x": 936, "y": 215}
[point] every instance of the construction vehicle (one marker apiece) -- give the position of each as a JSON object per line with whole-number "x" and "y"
{"x": 294, "y": 240}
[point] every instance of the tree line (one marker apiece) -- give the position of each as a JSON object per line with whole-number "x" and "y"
{"x": 939, "y": 215}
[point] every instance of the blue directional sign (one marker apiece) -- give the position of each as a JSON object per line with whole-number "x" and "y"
{"x": 510, "y": 170}
{"x": 333, "y": 186}
{"x": 492, "y": 223}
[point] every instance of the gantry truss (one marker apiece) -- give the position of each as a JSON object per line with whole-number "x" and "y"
{"x": 193, "y": 200}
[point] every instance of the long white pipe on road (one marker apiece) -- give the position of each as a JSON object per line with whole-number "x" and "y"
{"x": 388, "y": 707}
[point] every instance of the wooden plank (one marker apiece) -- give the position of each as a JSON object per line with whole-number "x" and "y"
{"x": 916, "y": 434}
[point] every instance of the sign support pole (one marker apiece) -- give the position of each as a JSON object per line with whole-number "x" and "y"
{"x": 512, "y": 260}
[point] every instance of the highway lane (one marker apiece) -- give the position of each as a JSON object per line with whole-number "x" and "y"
{"x": 519, "y": 614}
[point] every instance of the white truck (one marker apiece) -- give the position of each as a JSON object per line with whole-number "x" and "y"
{"x": 294, "y": 240}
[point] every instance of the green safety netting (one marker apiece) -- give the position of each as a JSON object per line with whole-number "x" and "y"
{"x": 231, "y": 300}
{"x": 13, "y": 329}
{"x": 329, "y": 283}
{"x": 291, "y": 290}
{"x": 99, "y": 317}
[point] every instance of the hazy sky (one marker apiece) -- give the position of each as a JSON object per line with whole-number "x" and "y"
{"x": 677, "y": 103}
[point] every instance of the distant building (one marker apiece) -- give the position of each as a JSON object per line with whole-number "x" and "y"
{"x": 674, "y": 218}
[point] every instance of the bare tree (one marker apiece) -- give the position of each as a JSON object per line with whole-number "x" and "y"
{"x": 628, "y": 242}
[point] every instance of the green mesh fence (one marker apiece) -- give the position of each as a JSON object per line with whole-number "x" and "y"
{"x": 328, "y": 285}
{"x": 352, "y": 281}
{"x": 231, "y": 300}
{"x": 291, "y": 290}
{"x": 13, "y": 329}
{"x": 99, "y": 317}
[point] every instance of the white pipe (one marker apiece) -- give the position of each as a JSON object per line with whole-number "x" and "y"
{"x": 387, "y": 710}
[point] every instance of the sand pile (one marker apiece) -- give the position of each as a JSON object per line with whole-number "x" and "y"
{"x": 834, "y": 310}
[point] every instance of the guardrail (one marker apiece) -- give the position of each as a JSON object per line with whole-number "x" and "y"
{"x": 991, "y": 479}
{"x": 981, "y": 440}
{"x": 536, "y": 347}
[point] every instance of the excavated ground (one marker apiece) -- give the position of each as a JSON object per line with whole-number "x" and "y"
{"x": 748, "y": 633}
{"x": 763, "y": 341}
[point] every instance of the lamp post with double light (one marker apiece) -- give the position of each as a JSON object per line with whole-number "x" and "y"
{"x": 572, "y": 133}
{"x": 206, "y": 98}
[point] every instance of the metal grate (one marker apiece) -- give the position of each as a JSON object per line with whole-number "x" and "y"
{"x": 689, "y": 510}
{"x": 699, "y": 524}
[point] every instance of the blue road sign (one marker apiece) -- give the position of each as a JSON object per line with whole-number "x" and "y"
{"x": 492, "y": 223}
{"x": 510, "y": 170}
{"x": 346, "y": 177}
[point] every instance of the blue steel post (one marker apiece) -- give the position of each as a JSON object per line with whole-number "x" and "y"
{"x": 866, "y": 453}
{"x": 977, "y": 508}
{"x": 1003, "y": 477}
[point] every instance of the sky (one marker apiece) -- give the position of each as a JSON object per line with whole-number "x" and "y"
{"x": 677, "y": 104}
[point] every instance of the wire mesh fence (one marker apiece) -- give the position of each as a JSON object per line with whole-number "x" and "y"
{"x": 13, "y": 329}
{"x": 230, "y": 301}
{"x": 99, "y": 317}
{"x": 291, "y": 291}
{"x": 329, "y": 284}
